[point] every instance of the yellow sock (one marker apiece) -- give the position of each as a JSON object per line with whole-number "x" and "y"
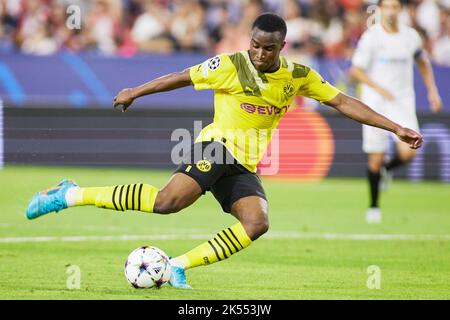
{"x": 222, "y": 246}
{"x": 140, "y": 197}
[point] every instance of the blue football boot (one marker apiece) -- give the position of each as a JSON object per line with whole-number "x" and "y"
{"x": 53, "y": 199}
{"x": 178, "y": 278}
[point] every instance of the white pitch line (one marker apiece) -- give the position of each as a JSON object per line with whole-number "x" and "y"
{"x": 103, "y": 238}
{"x": 353, "y": 236}
{"x": 277, "y": 235}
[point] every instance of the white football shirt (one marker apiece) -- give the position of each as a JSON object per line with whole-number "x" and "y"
{"x": 388, "y": 59}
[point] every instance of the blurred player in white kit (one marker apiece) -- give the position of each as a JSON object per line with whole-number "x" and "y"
{"x": 384, "y": 64}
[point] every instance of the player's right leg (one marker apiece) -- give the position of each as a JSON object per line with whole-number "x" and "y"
{"x": 375, "y": 144}
{"x": 375, "y": 163}
{"x": 180, "y": 192}
{"x": 243, "y": 196}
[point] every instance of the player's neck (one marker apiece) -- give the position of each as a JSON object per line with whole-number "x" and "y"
{"x": 274, "y": 68}
{"x": 390, "y": 27}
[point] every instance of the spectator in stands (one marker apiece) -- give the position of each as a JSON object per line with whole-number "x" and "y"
{"x": 353, "y": 26}
{"x": 40, "y": 42}
{"x": 151, "y": 30}
{"x": 316, "y": 28}
{"x": 232, "y": 39}
{"x": 101, "y": 26}
{"x": 66, "y": 39}
{"x": 441, "y": 47}
{"x": 326, "y": 28}
{"x": 217, "y": 17}
{"x": 297, "y": 36}
{"x": 427, "y": 13}
{"x": 235, "y": 35}
{"x": 9, "y": 23}
{"x": 411, "y": 19}
{"x": 33, "y": 17}
{"x": 187, "y": 27}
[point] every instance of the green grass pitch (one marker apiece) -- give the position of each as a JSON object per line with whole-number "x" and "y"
{"x": 318, "y": 246}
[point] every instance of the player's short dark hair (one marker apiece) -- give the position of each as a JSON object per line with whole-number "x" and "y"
{"x": 270, "y": 22}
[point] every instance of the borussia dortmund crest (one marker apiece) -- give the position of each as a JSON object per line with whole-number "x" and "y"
{"x": 288, "y": 89}
{"x": 204, "y": 165}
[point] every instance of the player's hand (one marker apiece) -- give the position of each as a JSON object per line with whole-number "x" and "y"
{"x": 124, "y": 98}
{"x": 386, "y": 94}
{"x": 411, "y": 137}
{"x": 435, "y": 101}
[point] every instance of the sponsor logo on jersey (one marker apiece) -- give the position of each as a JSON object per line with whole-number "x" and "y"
{"x": 263, "y": 110}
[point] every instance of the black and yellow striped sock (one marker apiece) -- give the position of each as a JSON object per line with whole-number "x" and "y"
{"x": 140, "y": 197}
{"x": 222, "y": 246}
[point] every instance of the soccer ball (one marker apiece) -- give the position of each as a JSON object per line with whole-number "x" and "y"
{"x": 147, "y": 267}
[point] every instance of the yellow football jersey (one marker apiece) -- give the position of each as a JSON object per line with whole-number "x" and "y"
{"x": 249, "y": 104}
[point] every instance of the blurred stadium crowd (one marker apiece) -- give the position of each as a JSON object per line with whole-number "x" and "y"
{"x": 316, "y": 28}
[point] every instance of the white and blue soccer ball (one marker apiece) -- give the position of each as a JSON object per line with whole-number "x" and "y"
{"x": 147, "y": 267}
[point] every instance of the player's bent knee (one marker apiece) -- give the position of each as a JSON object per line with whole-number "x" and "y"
{"x": 262, "y": 228}
{"x": 252, "y": 212}
{"x": 256, "y": 228}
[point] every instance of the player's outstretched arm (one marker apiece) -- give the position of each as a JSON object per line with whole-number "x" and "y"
{"x": 358, "y": 111}
{"x": 168, "y": 82}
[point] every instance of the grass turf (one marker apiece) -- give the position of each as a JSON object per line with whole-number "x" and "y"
{"x": 272, "y": 268}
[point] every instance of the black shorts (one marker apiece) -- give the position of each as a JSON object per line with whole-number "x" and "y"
{"x": 216, "y": 170}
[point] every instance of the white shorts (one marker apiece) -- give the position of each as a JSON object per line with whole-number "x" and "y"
{"x": 376, "y": 140}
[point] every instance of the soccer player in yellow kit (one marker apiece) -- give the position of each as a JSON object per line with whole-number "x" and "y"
{"x": 252, "y": 91}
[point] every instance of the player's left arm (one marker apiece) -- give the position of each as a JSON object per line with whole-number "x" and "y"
{"x": 358, "y": 111}
{"x": 426, "y": 71}
{"x": 317, "y": 88}
{"x": 165, "y": 83}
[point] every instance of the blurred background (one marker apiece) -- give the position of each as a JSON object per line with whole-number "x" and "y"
{"x": 62, "y": 62}
{"x": 126, "y": 28}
